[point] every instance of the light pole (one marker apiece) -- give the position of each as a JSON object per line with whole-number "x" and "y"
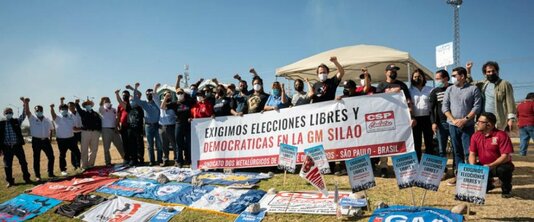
{"x": 456, "y": 44}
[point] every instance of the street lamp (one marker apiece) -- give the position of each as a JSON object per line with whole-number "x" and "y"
{"x": 456, "y": 6}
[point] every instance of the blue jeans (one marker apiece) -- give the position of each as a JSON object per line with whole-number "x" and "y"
{"x": 183, "y": 142}
{"x": 460, "y": 139}
{"x": 443, "y": 137}
{"x": 525, "y": 134}
{"x": 152, "y": 136}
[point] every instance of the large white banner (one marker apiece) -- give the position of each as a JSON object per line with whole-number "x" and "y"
{"x": 378, "y": 125}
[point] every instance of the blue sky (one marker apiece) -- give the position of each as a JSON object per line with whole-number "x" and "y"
{"x": 50, "y": 49}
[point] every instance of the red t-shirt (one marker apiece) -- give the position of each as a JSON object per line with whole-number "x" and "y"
{"x": 69, "y": 189}
{"x": 122, "y": 115}
{"x": 490, "y": 147}
{"x": 359, "y": 91}
{"x": 202, "y": 110}
{"x": 525, "y": 114}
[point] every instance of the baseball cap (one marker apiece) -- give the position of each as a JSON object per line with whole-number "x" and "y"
{"x": 392, "y": 67}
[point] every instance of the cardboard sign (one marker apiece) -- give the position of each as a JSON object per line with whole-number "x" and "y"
{"x": 310, "y": 172}
{"x": 360, "y": 173}
{"x": 302, "y": 202}
{"x": 405, "y": 167}
{"x": 430, "y": 172}
{"x": 352, "y": 202}
{"x": 250, "y": 217}
{"x": 471, "y": 183}
{"x": 319, "y": 157}
{"x": 287, "y": 160}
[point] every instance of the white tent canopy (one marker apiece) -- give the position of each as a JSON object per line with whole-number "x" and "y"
{"x": 353, "y": 58}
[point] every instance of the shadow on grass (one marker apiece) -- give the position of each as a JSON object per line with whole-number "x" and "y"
{"x": 508, "y": 218}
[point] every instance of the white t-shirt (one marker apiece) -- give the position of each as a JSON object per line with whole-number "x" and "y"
{"x": 40, "y": 128}
{"x": 77, "y": 121}
{"x": 109, "y": 117}
{"x": 420, "y": 100}
{"x": 64, "y": 126}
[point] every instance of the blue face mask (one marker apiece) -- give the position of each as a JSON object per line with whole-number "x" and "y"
{"x": 276, "y": 92}
{"x": 9, "y": 116}
{"x": 39, "y": 114}
{"x": 64, "y": 112}
{"x": 439, "y": 84}
{"x": 133, "y": 104}
{"x": 88, "y": 108}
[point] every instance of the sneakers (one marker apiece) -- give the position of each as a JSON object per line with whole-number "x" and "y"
{"x": 384, "y": 173}
{"x": 506, "y": 195}
{"x": 452, "y": 182}
{"x": 38, "y": 179}
{"x": 162, "y": 164}
{"x": 64, "y": 173}
{"x": 28, "y": 181}
{"x": 9, "y": 185}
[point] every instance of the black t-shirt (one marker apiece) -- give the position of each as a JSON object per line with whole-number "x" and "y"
{"x": 183, "y": 110}
{"x": 436, "y": 99}
{"x": 135, "y": 118}
{"x": 222, "y": 106}
{"x": 256, "y": 102}
{"x": 239, "y": 103}
{"x": 325, "y": 91}
{"x": 382, "y": 86}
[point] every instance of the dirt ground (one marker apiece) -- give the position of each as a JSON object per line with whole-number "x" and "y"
{"x": 518, "y": 208}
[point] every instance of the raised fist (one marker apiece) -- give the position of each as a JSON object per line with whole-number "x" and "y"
{"x": 52, "y": 105}
{"x": 333, "y": 59}
{"x": 62, "y": 98}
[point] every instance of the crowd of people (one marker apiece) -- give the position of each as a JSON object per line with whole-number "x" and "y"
{"x": 448, "y": 110}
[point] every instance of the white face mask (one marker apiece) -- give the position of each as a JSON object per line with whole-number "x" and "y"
{"x": 454, "y": 80}
{"x": 323, "y": 77}
{"x": 107, "y": 105}
{"x": 362, "y": 82}
{"x": 180, "y": 97}
{"x": 257, "y": 87}
{"x": 200, "y": 98}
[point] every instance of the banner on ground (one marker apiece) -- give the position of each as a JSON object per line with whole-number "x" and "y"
{"x": 173, "y": 173}
{"x": 471, "y": 183}
{"x": 319, "y": 157}
{"x": 310, "y": 172}
{"x": 347, "y": 128}
{"x": 220, "y": 178}
{"x": 408, "y": 213}
{"x": 228, "y": 200}
{"x": 166, "y": 214}
{"x": 121, "y": 209}
{"x": 251, "y": 217}
{"x": 405, "y": 167}
{"x": 430, "y": 172}
{"x": 69, "y": 189}
{"x": 360, "y": 173}
{"x": 302, "y": 202}
{"x": 25, "y": 206}
{"x": 129, "y": 187}
{"x": 287, "y": 160}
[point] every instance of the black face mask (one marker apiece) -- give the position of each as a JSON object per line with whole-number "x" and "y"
{"x": 221, "y": 92}
{"x": 416, "y": 81}
{"x": 149, "y": 97}
{"x": 299, "y": 88}
{"x": 492, "y": 78}
{"x": 244, "y": 89}
{"x": 393, "y": 75}
{"x": 125, "y": 98}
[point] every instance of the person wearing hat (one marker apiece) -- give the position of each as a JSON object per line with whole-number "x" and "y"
{"x": 151, "y": 115}
{"x": 202, "y": 108}
{"x": 11, "y": 142}
{"x": 393, "y": 85}
{"x": 41, "y": 132}
{"x": 92, "y": 125}
{"x": 325, "y": 88}
{"x": 184, "y": 102}
{"x": 365, "y": 87}
{"x": 167, "y": 122}
{"x": 525, "y": 114}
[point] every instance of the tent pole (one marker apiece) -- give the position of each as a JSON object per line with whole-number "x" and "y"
{"x": 409, "y": 75}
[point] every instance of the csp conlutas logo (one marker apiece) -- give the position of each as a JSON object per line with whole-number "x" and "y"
{"x": 381, "y": 121}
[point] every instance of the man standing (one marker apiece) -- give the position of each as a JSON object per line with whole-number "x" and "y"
{"x": 109, "y": 129}
{"x": 151, "y": 114}
{"x": 325, "y": 88}
{"x": 461, "y": 103}
{"x": 493, "y": 148}
{"x": 65, "y": 124}
{"x": 525, "y": 112}
{"x": 437, "y": 117}
{"x": 497, "y": 96}
{"x": 77, "y": 120}
{"x": 393, "y": 85}
{"x": 11, "y": 142}
{"x": 167, "y": 122}
{"x": 300, "y": 97}
{"x": 41, "y": 129}
{"x": 92, "y": 125}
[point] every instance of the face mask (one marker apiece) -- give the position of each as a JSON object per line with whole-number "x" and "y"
{"x": 125, "y": 98}
{"x": 180, "y": 97}
{"x": 64, "y": 112}
{"x": 133, "y": 104}
{"x": 393, "y": 75}
{"x": 362, "y": 82}
{"x": 107, "y": 105}
{"x": 193, "y": 92}
{"x": 220, "y": 92}
{"x": 9, "y": 116}
{"x": 149, "y": 97}
{"x": 439, "y": 84}
{"x": 88, "y": 108}
{"x": 492, "y": 78}
{"x": 257, "y": 87}
{"x": 346, "y": 92}
{"x": 244, "y": 89}
{"x": 276, "y": 92}
{"x": 323, "y": 77}
{"x": 208, "y": 94}
{"x": 454, "y": 80}
{"x": 299, "y": 88}
{"x": 200, "y": 98}
{"x": 39, "y": 114}
{"x": 416, "y": 81}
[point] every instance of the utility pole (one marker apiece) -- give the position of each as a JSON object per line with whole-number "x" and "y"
{"x": 456, "y": 43}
